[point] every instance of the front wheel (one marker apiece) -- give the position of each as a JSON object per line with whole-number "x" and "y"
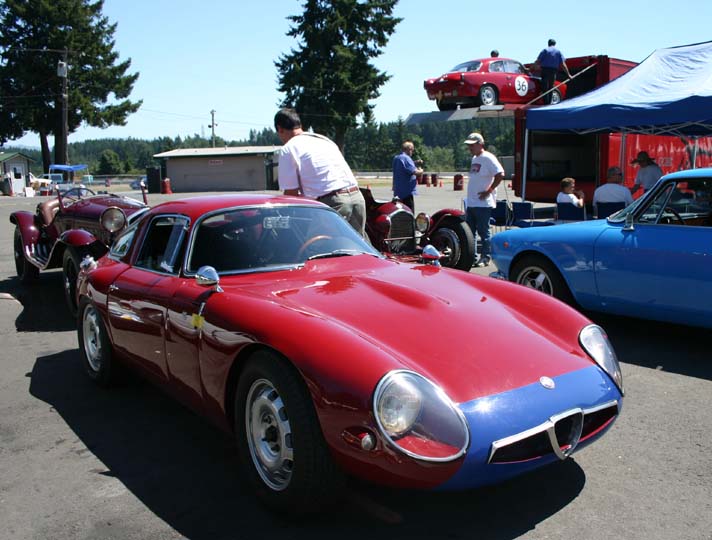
{"x": 555, "y": 97}
{"x": 26, "y": 271}
{"x": 537, "y": 272}
{"x": 281, "y": 446}
{"x": 454, "y": 239}
{"x": 70, "y": 273}
{"x": 488, "y": 95}
{"x": 95, "y": 347}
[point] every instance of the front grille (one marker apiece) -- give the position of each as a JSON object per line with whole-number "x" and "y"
{"x": 401, "y": 237}
{"x": 559, "y": 435}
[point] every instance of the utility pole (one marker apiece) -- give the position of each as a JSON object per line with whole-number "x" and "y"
{"x": 212, "y": 125}
{"x": 62, "y": 73}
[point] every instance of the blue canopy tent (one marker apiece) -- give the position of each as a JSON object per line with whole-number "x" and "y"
{"x": 67, "y": 168}
{"x": 669, "y": 93}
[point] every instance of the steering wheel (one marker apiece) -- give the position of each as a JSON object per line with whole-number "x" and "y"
{"x": 310, "y": 242}
{"x": 77, "y": 193}
{"x": 674, "y": 213}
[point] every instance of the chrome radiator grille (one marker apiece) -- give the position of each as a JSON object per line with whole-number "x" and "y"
{"x": 401, "y": 238}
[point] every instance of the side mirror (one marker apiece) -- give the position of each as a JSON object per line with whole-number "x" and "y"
{"x": 207, "y": 276}
{"x": 431, "y": 255}
{"x": 629, "y": 222}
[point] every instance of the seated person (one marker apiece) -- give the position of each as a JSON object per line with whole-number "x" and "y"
{"x": 613, "y": 190}
{"x": 568, "y": 194}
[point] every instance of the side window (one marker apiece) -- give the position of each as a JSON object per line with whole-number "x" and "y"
{"x": 656, "y": 206}
{"x": 163, "y": 247}
{"x": 496, "y": 67}
{"x": 123, "y": 244}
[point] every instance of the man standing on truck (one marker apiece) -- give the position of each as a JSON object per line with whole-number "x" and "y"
{"x": 486, "y": 173}
{"x": 549, "y": 60}
{"x": 648, "y": 174}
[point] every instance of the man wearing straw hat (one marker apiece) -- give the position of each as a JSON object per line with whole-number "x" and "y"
{"x": 648, "y": 174}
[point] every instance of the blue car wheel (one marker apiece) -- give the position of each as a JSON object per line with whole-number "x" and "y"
{"x": 537, "y": 272}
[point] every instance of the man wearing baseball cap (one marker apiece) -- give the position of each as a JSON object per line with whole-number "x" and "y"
{"x": 648, "y": 174}
{"x": 485, "y": 175}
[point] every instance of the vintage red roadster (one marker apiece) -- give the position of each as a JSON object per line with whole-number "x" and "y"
{"x": 273, "y": 318}
{"x": 65, "y": 228}
{"x": 394, "y": 230}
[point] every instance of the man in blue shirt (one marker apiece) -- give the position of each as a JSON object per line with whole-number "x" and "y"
{"x": 404, "y": 171}
{"x": 549, "y": 60}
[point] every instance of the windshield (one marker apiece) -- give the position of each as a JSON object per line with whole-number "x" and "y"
{"x": 272, "y": 238}
{"x": 688, "y": 198}
{"x": 467, "y": 66}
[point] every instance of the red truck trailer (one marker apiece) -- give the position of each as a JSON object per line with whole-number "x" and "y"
{"x": 555, "y": 155}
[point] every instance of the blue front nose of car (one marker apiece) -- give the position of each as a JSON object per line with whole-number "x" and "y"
{"x": 527, "y": 428}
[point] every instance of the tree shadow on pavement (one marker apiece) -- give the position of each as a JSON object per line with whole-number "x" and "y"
{"x": 663, "y": 346}
{"x": 187, "y": 473}
{"x": 43, "y": 306}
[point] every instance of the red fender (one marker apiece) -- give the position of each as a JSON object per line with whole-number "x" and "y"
{"x": 77, "y": 237}
{"x": 25, "y": 221}
{"x": 437, "y": 218}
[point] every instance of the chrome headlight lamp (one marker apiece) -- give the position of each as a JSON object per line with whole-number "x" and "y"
{"x": 595, "y": 342}
{"x": 422, "y": 222}
{"x": 113, "y": 219}
{"x": 417, "y": 418}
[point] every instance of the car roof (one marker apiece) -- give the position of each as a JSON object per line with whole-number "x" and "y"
{"x": 690, "y": 173}
{"x": 194, "y": 207}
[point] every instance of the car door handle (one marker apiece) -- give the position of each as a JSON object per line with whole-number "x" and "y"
{"x": 113, "y": 288}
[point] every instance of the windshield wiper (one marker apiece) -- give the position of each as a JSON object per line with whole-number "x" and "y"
{"x": 339, "y": 253}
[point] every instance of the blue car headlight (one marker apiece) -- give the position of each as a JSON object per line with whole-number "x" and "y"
{"x": 417, "y": 418}
{"x": 595, "y": 342}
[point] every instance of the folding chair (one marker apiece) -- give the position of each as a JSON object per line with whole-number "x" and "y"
{"x": 522, "y": 214}
{"x": 605, "y": 209}
{"x": 570, "y": 212}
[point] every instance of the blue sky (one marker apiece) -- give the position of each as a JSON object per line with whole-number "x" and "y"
{"x": 194, "y": 57}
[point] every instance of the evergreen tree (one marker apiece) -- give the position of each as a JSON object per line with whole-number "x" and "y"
{"x": 109, "y": 163}
{"x": 329, "y": 78}
{"x": 34, "y": 36}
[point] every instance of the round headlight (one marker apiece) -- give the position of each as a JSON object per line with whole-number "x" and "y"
{"x": 422, "y": 222}
{"x": 113, "y": 219}
{"x": 417, "y": 418}
{"x": 595, "y": 342}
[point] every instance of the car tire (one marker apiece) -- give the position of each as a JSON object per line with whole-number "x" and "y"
{"x": 555, "y": 97}
{"x": 273, "y": 405}
{"x": 445, "y": 106}
{"x": 488, "y": 95}
{"x": 95, "y": 349}
{"x": 539, "y": 273}
{"x": 456, "y": 236}
{"x": 70, "y": 273}
{"x": 26, "y": 271}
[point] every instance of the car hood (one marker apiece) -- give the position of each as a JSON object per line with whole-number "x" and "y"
{"x": 92, "y": 207}
{"x": 472, "y": 335}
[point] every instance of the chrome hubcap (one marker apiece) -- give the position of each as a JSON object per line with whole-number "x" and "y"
{"x": 488, "y": 96}
{"x": 535, "y": 278}
{"x": 269, "y": 435}
{"x": 91, "y": 338}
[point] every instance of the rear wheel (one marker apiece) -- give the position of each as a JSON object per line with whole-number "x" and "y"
{"x": 555, "y": 97}
{"x": 488, "y": 95}
{"x": 445, "y": 106}
{"x": 70, "y": 273}
{"x": 454, "y": 239}
{"x": 26, "y": 271}
{"x": 282, "y": 448}
{"x": 537, "y": 272}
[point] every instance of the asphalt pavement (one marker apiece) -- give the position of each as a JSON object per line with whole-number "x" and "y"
{"x": 78, "y": 462}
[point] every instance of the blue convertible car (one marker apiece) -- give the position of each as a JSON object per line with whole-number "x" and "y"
{"x": 652, "y": 260}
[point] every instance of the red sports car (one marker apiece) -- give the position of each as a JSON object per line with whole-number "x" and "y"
{"x": 271, "y": 316}
{"x": 488, "y": 81}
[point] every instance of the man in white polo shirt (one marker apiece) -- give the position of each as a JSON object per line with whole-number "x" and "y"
{"x": 311, "y": 165}
{"x": 613, "y": 190}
